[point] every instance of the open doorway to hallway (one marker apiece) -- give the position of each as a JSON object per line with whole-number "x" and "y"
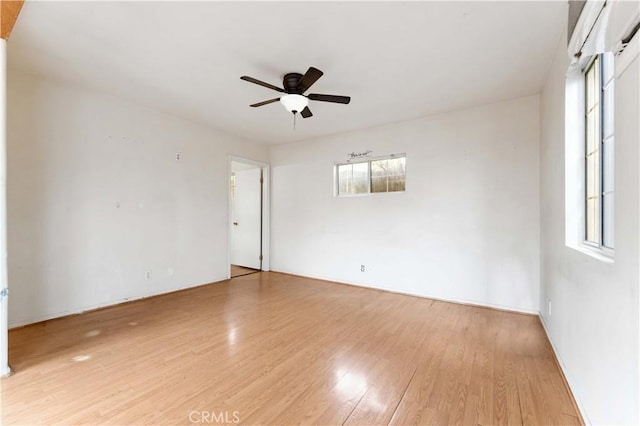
{"x": 246, "y": 215}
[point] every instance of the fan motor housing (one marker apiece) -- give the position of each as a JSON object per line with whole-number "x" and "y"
{"x": 290, "y": 82}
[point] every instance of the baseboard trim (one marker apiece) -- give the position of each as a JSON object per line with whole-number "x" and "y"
{"x": 421, "y": 296}
{"x": 563, "y": 372}
{"x": 106, "y": 305}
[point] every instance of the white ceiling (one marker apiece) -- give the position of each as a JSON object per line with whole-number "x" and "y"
{"x": 397, "y": 60}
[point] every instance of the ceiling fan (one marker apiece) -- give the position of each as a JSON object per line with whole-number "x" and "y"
{"x": 293, "y": 86}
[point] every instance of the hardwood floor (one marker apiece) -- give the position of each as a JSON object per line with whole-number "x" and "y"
{"x": 237, "y": 271}
{"x": 271, "y": 348}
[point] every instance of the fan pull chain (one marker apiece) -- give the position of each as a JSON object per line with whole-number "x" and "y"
{"x": 294, "y": 121}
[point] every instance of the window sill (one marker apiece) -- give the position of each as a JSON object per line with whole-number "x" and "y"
{"x": 602, "y": 254}
{"x": 367, "y": 194}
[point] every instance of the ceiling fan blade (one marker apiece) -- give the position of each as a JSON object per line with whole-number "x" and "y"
{"x": 306, "y": 112}
{"x": 330, "y": 98}
{"x": 261, "y": 83}
{"x": 311, "y": 76}
{"x": 270, "y": 101}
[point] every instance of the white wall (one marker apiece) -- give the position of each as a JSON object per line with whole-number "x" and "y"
{"x": 466, "y": 229}
{"x": 97, "y": 199}
{"x": 593, "y": 323}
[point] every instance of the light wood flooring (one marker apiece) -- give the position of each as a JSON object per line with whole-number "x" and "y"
{"x": 271, "y": 348}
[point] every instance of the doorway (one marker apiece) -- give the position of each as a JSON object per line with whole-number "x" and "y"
{"x": 247, "y": 217}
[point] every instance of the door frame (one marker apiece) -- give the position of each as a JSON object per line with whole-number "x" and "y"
{"x": 266, "y": 203}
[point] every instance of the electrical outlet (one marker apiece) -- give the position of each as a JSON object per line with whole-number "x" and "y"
{"x": 549, "y": 307}
{"x": 361, "y": 268}
{"x": 148, "y": 275}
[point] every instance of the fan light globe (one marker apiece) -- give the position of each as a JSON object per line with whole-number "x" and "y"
{"x": 294, "y": 102}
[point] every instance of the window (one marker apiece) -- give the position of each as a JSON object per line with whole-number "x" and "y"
{"x": 387, "y": 175}
{"x": 599, "y": 157}
{"x": 373, "y": 176}
{"x": 353, "y": 178}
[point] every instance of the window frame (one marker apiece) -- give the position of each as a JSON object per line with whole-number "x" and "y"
{"x": 368, "y": 161}
{"x": 598, "y": 142}
{"x": 598, "y": 244}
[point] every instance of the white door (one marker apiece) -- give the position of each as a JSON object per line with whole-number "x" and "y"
{"x": 245, "y": 216}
